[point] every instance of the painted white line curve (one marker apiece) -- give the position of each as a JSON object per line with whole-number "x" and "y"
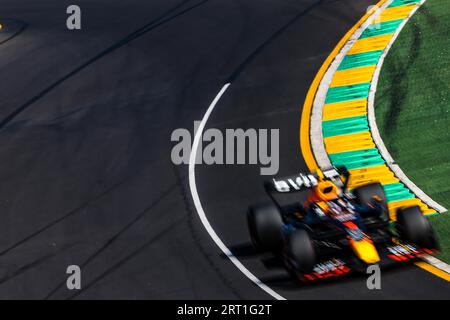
{"x": 435, "y": 262}
{"x": 316, "y": 136}
{"x": 376, "y": 136}
{"x": 199, "y": 207}
{"x": 315, "y": 123}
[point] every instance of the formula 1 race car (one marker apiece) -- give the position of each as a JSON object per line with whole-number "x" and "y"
{"x": 336, "y": 230}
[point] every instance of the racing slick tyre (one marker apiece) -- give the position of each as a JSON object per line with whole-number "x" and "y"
{"x": 414, "y": 227}
{"x": 365, "y": 194}
{"x": 265, "y": 226}
{"x": 299, "y": 252}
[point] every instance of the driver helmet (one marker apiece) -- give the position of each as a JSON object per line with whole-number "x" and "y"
{"x": 326, "y": 190}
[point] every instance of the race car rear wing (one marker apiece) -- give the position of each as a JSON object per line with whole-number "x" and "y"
{"x": 303, "y": 182}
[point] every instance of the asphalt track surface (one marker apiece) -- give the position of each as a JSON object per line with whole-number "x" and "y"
{"x": 85, "y": 122}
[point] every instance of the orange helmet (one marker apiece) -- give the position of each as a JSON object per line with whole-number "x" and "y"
{"x": 327, "y": 190}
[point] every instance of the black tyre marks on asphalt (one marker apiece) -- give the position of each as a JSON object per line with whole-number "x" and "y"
{"x": 196, "y": 238}
{"x": 112, "y": 239}
{"x": 63, "y": 217}
{"x": 248, "y": 60}
{"x": 16, "y": 26}
{"x": 159, "y": 21}
{"x": 33, "y": 264}
{"x": 166, "y": 17}
{"x": 128, "y": 257}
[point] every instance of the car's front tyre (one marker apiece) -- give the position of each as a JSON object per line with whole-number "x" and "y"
{"x": 265, "y": 226}
{"x": 299, "y": 252}
{"x": 365, "y": 195}
{"x": 412, "y": 226}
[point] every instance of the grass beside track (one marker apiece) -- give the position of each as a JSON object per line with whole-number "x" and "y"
{"x": 412, "y": 106}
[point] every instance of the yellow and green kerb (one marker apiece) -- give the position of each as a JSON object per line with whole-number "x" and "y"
{"x": 345, "y": 125}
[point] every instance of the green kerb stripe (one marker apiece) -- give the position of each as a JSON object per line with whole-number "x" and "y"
{"x": 357, "y": 159}
{"x": 345, "y": 126}
{"x": 357, "y": 60}
{"x": 382, "y": 28}
{"x": 397, "y": 3}
{"x": 397, "y": 191}
{"x": 346, "y": 93}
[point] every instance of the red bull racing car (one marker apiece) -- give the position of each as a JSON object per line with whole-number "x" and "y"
{"x": 336, "y": 230}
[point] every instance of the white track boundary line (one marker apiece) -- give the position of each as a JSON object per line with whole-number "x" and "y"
{"x": 315, "y": 124}
{"x": 441, "y": 265}
{"x": 318, "y": 148}
{"x": 316, "y": 136}
{"x": 374, "y": 128}
{"x": 201, "y": 212}
{"x": 435, "y": 262}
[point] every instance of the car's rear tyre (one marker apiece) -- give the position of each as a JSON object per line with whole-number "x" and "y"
{"x": 366, "y": 193}
{"x": 265, "y": 225}
{"x": 299, "y": 252}
{"x": 414, "y": 227}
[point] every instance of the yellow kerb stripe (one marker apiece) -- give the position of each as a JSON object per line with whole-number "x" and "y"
{"x": 393, "y": 206}
{"x": 307, "y": 106}
{"x": 437, "y": 272}
{"x": 339, "y": 110}
{"x": 363, "y": 176}
{"x": 349, "y": 142}
{"x": 352, "y": 76}
{"x": 396, "y": 13}
{"x": 370, "y": 44}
